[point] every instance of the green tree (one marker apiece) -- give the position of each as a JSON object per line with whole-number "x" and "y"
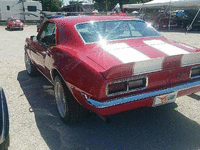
{"x": 51, "y": 5}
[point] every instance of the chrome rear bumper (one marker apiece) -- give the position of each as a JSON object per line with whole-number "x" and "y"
{"x": 123, "y": 100}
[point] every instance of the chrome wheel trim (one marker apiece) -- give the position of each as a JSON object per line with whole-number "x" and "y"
{"x": 60, "y": 99}
{"x": 28, "y": 64}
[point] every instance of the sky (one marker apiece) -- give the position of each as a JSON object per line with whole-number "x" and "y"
{"x": 66, "y": 1}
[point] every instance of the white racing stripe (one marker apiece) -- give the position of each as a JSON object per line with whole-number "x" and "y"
{"x": 148, "y": 66}
{"x": 165, "y": 47}
{"x": 187, "y": 46}
{"x": 190, "y": 59}
{"x": 124, "y": 52}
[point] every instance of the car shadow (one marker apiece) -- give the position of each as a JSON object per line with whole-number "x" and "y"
{"x": 194, "y": 96}
{"x": 147, "y": 128}
{"x": 7, "y": 29}
{"x": 12, "y": 29}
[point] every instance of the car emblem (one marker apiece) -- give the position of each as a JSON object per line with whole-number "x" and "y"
{"x": 166, "y": 98}
{"x": 163, "y": 98}
{"x": 182, "y": 74}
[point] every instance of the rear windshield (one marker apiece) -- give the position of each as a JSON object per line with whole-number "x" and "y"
{"x": 115, "y": 30}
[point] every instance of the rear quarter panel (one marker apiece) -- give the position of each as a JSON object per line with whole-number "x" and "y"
{"x": 78, "y": 73}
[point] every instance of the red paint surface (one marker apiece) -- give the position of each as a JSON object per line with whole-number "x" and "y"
{"x": 88, "y": 68}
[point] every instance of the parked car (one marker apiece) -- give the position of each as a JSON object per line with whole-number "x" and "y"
{"x": 117, "y": 13}
{"x": 14, "y": 23}
{"x": 43, "y": 19}
{"x": 4, "y": 122}
{"x": 164, "y": 21}
{"x": 110, "y": 64}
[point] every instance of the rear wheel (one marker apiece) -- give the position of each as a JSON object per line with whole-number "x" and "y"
{"x": 30, "y": 68}
{"x": 69, "y": 109}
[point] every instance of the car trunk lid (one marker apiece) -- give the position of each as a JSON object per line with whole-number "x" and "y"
{"x": 140, "y": 56}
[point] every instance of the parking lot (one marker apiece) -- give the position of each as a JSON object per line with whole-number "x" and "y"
{"x": 35, "y": 123}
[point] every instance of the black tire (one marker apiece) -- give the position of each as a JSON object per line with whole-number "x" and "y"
{"x": 69, "y": 109}
{"x": 8, "y": 28}
{"x": 30, "y": 68}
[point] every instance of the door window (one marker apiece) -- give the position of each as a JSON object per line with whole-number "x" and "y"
{"x": 48, "y": 34}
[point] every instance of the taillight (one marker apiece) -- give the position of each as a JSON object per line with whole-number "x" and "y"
{"x": 117, "y": 87}
{"x": 139, "y": 83}
{"x": 195, "y": 72}
{"x": 126, "y": 85}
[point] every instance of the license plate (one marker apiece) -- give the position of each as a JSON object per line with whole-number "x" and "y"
{"x": 164, "y": 99}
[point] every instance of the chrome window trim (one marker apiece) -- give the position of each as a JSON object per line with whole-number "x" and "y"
{"x": 85, "y": 43}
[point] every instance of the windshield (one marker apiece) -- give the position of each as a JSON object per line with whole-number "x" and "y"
{"x": 115, "y": 30}
{"x": 15, "y": 19}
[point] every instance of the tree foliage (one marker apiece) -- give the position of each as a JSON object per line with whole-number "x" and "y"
{"x": 101, "y": 4}
{"x": 51, "y": 5}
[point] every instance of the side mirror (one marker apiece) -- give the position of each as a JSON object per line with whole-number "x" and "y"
{"x": 33, "y": 38}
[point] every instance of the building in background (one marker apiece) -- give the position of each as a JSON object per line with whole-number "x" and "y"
{"x": 80, "y": 7}
{"x": 10, "y": 8}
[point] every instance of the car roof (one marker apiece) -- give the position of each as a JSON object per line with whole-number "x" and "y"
{"x": 80, "y": 19}
{"x": 66, "y": 27}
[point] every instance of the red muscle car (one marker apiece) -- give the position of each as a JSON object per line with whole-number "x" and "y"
{"x": 14, "y": 23}
{"x": 110, "y": 64}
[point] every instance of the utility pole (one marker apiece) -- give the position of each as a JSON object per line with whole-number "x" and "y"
{"x": 106, "y": 8}
{"x": 23, "y": 11}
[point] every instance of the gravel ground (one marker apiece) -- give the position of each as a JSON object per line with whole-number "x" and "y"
{"x": 35, "y": 124}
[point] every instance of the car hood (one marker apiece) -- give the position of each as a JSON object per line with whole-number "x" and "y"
{"x": 15, "y": 22}
{"x": 146, "y": 50}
